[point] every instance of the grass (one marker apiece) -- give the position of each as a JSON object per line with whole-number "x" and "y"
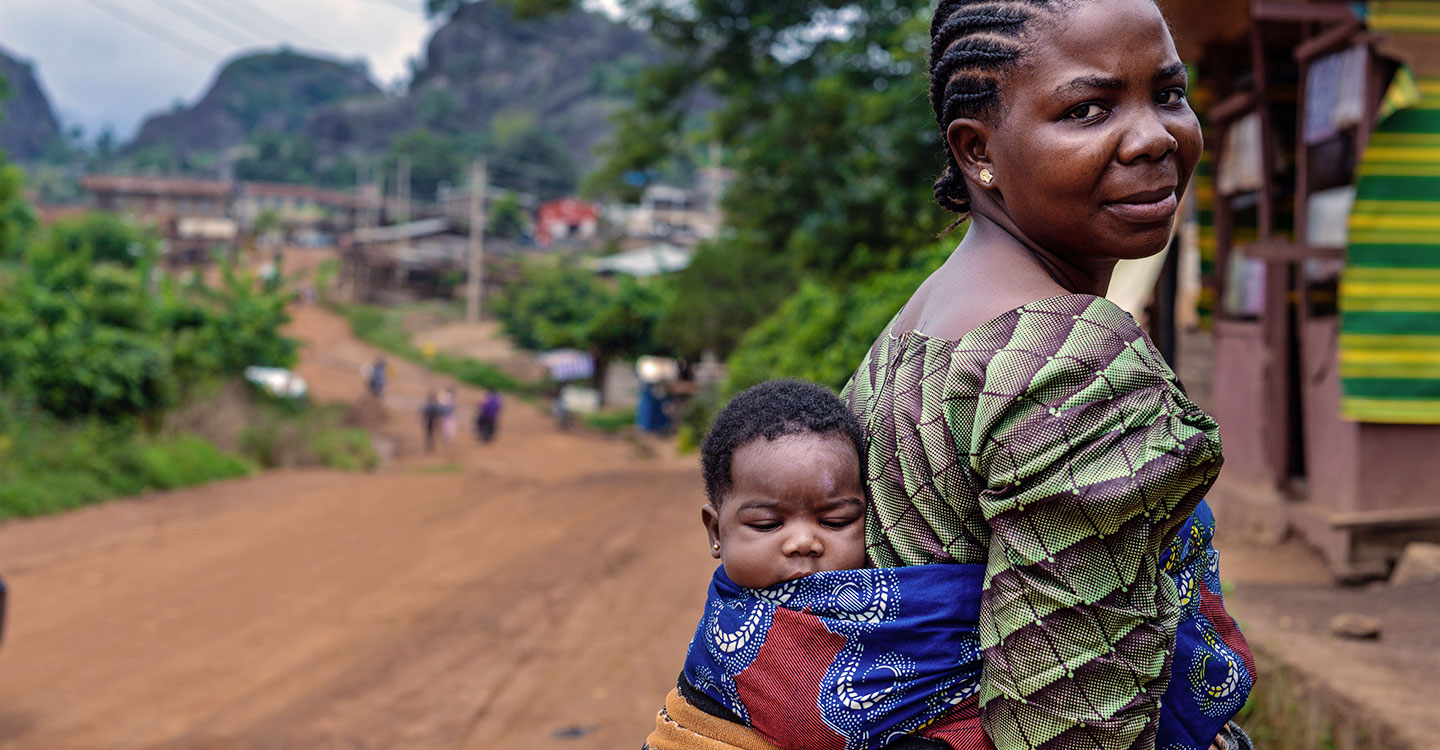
{"x": 290, "y": 434}
{"x": 609, "y": 420}
{"x": 48, "y": 467}
{"x": 438, "y": 469}
{"x": 384, "y": 328}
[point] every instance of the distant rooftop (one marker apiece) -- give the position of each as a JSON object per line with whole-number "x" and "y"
{"x": 109, "y": 183}
{"x": 408, "y": 231}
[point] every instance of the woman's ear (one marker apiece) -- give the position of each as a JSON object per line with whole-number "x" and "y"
{"x": 968, "y": 139}
{"x": 710, "y": 516}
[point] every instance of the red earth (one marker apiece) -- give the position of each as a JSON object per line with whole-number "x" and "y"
{"x": 535, "y": 592}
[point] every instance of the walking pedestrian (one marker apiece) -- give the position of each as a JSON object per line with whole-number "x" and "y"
{"x": 447, "y": 416}
{"x": 375, "y": 378}
{"x": 487, "y": 416}
{"x": 430, "y": 416}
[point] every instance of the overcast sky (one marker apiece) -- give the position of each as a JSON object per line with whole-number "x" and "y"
{"x": 112, "y": 62}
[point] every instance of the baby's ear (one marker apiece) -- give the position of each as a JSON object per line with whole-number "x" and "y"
{"x": 710, "y": 516}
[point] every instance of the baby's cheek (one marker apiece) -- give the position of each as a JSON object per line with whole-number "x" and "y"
{"x": 855, "y": 550}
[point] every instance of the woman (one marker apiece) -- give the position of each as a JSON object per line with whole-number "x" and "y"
{"x": 1019, "y": 420}
{"x": 1023, "y": 430}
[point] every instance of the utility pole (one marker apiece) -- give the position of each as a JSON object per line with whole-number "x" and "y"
{"x": 475, "y": 253}
{"x": 402, "y": 189}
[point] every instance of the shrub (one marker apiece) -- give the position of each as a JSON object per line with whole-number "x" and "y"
{"x": 48, "y": 466}
{"x": 346, "y": 449}
{"x": 609, "y": 420}
{"x": 822, "y": 332}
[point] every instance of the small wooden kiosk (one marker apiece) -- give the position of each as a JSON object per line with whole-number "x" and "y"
{"x": 1298, "y": 99}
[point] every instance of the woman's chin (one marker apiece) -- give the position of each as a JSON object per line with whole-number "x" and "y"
{"x": 1140, "y": 245}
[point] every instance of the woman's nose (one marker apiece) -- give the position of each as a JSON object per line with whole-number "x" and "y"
{"x": 1147, "y": 138}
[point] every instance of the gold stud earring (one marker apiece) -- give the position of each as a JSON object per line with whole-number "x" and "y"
{"x": 715, "y": 546}
{"x": 986, "y": 177}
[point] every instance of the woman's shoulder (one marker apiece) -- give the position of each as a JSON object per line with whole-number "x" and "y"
{"x": 1056, "y": 319}
{"x": 1054, "y": 340}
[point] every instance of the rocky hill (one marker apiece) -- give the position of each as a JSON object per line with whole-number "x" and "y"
{"x": 27, "y": 124}
{"x": 564, "y": 72}
{"x": 273, "y": 91}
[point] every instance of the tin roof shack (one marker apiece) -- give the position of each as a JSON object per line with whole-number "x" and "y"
{"x": 402, "y": 262}
{"x": 1318, "y": 225}
{"x": 301, "y": 209}
{"x": 419, "y": 260}
{"x": 192, "y": 215}
{"x": 643, "y": 263}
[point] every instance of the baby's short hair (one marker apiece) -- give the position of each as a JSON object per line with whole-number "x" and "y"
{"x": 770, "y": 410}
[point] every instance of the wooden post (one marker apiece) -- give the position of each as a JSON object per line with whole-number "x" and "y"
{"x": 402, "y": 190}
{"x": 475, "y": 253}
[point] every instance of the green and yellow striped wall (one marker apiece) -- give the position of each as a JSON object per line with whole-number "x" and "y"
{"x": 1390, "y": 289}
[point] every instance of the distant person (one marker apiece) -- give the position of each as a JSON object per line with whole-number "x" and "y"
{"x": 375, "y": 378}
{"x": 430, "y": 415}
{"x": 487, "y": 416}
{"x": 447, "y": 416}
{"x": 558, "y": 410}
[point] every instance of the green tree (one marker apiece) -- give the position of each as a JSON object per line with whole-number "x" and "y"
{"x": 438, "y": 109}
{"x": 526, "y": 157}
{"x": 565, "y": 306}
{"x": 433, "y": 159}
{"x": 102, "y": 238}
{"x": 83, "y": 332}
{"x": 716, "y": 299}
{"x": 17, "y": 217}
{"x": 278, "y": 157}
{"x": 507, "y": 216}
{"x": 551, "y": 307}
{"x": 823, "y": 331}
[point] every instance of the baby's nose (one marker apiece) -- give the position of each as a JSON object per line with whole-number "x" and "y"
{"x": 804, "y": 543}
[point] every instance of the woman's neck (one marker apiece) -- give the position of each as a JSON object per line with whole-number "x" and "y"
{"x": 996, "y": 240}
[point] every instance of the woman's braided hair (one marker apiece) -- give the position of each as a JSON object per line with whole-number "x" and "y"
{"x": 972, "y": 42}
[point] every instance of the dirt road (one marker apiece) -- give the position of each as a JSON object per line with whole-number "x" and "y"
{"x": 537, "y": 592}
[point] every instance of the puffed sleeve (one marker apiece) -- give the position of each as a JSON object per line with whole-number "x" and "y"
{"x": 1089, "y": 457}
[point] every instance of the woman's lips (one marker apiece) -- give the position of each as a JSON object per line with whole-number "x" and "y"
{"x": 1145, "y": 211}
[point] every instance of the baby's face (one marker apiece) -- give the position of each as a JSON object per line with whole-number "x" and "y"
{"x": 795, "y": 507}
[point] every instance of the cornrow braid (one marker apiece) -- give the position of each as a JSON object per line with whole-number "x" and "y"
{"x": 972, "y": 42}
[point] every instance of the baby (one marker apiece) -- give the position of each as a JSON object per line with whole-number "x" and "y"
{"x": 800, "y": 645}
{"x": 782, "y": 472}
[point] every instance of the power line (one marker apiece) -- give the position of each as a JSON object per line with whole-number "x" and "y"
{"x": 280, "y": 21}
{"x": 259, "y": 38}
{"x": 397, "y": 5}
{"x": 207, "y": 27}
{"x": 184, "y": 45}
{"x": 220, "y": 9}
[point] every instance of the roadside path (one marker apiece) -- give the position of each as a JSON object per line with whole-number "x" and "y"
{"x": 537, "y": 592}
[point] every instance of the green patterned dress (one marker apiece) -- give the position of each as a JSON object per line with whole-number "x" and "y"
{"x": 1056, "y": 446}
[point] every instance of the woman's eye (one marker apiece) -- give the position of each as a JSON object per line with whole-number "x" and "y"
{"x": 1085, "y": 112}
{"x": 1170, "y": 96}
